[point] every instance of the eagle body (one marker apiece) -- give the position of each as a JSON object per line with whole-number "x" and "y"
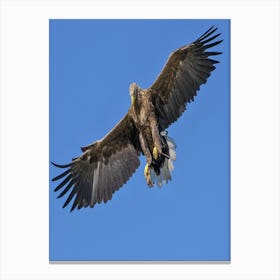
{"x": 154, "y": 146}
{"x": 108, "y": 163}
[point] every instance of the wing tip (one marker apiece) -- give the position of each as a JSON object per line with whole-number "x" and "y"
{"x": 207, "y": 33}
{"x": 61, "y": 175}
{"x": 65, "y": 204}
{"x": 61, "y": 165}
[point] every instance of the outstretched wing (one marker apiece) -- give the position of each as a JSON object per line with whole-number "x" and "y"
{"x": 185, "y": 71}
{"x": 103, "y": 167}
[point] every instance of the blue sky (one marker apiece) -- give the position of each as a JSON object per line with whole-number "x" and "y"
{"x": 92, "y": 63}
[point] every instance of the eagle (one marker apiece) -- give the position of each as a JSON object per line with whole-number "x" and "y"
{"x": 107, "y": 164}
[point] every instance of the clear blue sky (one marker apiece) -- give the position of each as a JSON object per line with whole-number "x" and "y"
{"x": 92, "y": 63}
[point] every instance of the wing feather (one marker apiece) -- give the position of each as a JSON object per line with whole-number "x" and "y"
{"x": 68, "y": 187}
{"x": 185, "y": 71}
{"x": 64, "y": 182}
{"x": 102, "y": 169}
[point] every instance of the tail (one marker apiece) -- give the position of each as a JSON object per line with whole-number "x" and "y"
{"x": 164, "y": 174}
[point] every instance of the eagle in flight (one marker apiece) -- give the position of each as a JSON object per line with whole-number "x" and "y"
{"x": 108, "y": 163}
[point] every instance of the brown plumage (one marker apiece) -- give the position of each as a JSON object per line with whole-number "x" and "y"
{"x": 107, "y": 164}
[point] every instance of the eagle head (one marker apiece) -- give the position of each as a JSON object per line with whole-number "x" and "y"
{"x": 133, "y": 91}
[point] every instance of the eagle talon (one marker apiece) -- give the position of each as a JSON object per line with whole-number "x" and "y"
{"x": 147, "y": 174}
{"x": 155, "y": 153}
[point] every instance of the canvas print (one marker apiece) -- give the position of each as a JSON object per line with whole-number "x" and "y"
{"x": 139, "y": 140}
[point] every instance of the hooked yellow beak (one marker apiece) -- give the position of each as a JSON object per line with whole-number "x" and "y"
{"x": 132, "y": 99}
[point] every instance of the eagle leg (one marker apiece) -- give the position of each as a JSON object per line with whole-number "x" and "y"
{"x": 157, "y": 150}
{"x": 145, "y": 149}
{"x": 146, "y": 152}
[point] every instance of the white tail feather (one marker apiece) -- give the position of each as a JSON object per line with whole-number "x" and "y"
{"x": 165, "y": 171}
{"x": 170, "y": 165}
{"x": 172, "y": 154}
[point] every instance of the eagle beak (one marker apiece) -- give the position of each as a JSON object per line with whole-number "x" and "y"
{"x": 132, "y": 99}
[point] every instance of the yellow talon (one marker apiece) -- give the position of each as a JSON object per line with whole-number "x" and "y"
{"x": 146, "y": 170}
{"x": 155, "y": 153}
{"x": 147, "y": 174}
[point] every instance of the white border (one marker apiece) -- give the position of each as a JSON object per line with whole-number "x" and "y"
{"x": 254, "y": 138}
